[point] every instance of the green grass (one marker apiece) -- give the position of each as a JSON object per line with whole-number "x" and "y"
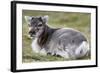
{"x": 79, "y": 21}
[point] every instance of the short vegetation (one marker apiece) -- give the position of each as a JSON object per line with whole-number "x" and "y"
{"x": 79, "y": 21}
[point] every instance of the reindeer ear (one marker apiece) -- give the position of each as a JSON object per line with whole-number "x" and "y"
{"x": 45, "y": 18}
{"x": 28, "y": 19}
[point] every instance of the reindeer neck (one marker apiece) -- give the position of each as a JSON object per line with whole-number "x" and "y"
{"x": 45, "y": 36}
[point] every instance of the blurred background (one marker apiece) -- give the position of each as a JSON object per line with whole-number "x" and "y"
{"x": 75, "y": 20}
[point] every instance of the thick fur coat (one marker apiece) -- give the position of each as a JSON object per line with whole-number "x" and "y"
{"x": 65, "y": 42}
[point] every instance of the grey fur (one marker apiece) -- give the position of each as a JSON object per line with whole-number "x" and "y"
{"x": 66, "y": 42}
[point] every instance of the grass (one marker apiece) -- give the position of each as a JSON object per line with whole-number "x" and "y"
{"x": 79, "y": 21}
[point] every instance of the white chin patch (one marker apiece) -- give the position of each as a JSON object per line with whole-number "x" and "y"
{"x": 30, "y": 37}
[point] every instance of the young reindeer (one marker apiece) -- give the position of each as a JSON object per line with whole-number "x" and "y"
{"x": 64, "y": 42}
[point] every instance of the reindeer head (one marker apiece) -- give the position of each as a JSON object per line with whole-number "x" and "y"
{"x": 36, "y": 24}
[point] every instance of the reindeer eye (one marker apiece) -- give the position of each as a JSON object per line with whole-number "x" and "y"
{"x": 39, "y": 25}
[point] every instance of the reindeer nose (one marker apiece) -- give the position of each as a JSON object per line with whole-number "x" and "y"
{"x": 31, "y": 33}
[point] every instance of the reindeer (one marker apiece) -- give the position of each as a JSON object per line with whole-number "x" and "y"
{"x": 65, "y": 42}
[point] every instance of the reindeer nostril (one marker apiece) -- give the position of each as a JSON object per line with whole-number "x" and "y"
{"x": 31, "y": 33}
